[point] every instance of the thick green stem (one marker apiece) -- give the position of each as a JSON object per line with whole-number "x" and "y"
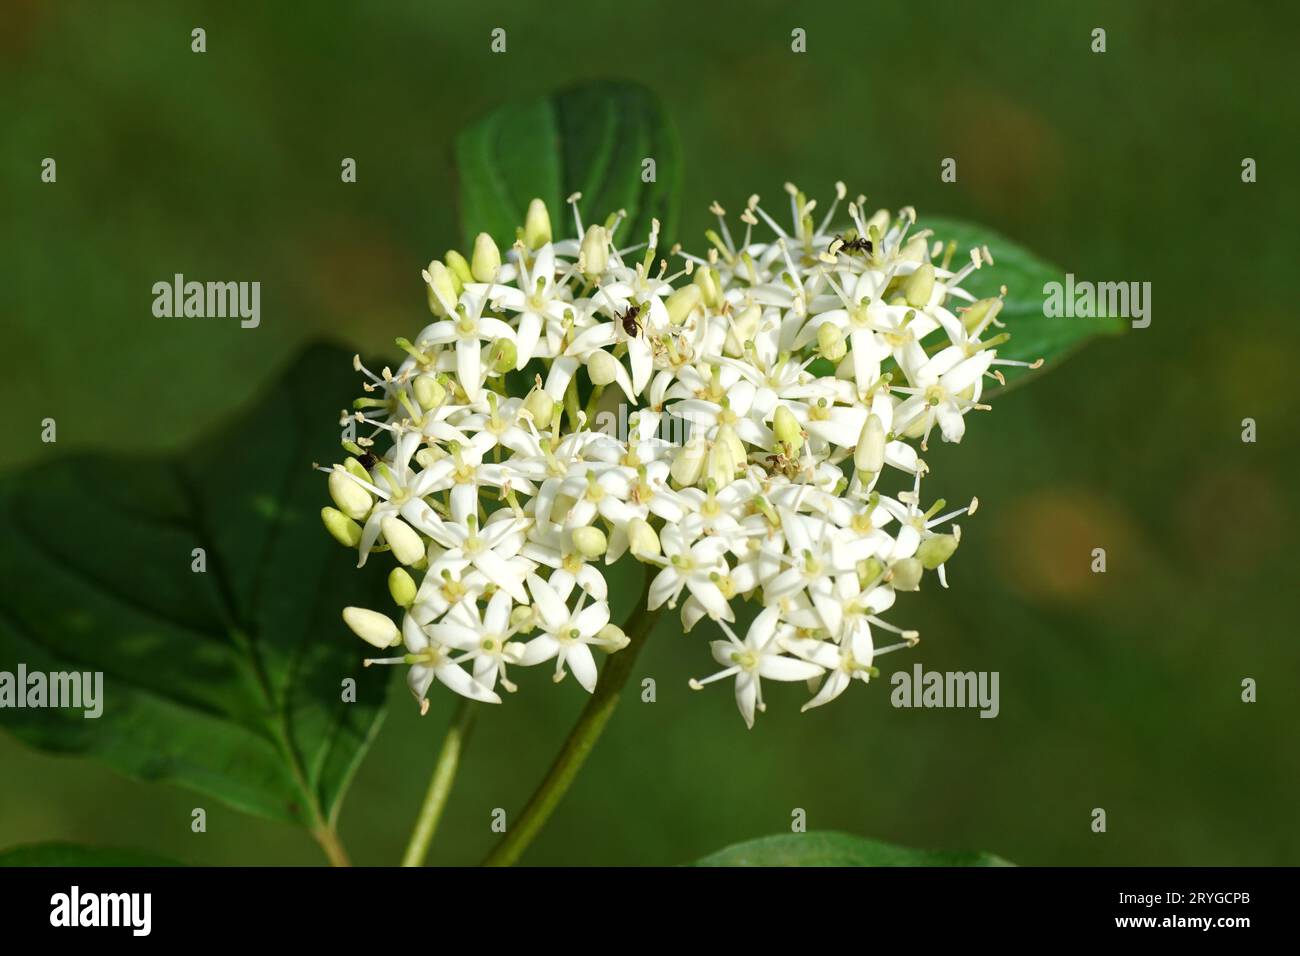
{"x": 582, "y": 738}
{"x": 444, "y": 772}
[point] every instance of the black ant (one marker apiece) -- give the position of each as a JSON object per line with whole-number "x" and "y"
{"x": 630, "y": 325}
{"x": 851, "y": 246}
{"x": 367, "y": 460}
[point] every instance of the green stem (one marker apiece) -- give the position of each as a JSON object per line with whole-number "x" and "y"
{"x": 582, "y": 738}
{"x": 444, "y": 772}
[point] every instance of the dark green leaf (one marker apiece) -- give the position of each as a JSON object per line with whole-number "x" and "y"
{"x": 227, "y": 681}
{"x": 1033, "y": 335}
{"x": 838, "y": 849}
{"x": 72, "y": 854}
{"x": 591, "y": 139}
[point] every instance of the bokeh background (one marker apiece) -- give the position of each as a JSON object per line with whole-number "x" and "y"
{"x": 1119, "y": 691}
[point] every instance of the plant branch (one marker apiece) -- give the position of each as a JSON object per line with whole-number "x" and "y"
{"x": 444, "y": 773}
{"x": 582, "y": 738}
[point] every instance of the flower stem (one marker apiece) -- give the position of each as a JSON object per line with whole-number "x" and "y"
{"x": 444, "y": 772}
{"x": 582, "y": 738}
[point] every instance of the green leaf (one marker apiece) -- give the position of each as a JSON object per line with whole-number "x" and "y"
{"x": 590, "y": 139}
{"x": 73, "y": 854}
{"x": 1033, "y": 335}
{"x": 227, "y": 681}
{"x": 838, "y": 849}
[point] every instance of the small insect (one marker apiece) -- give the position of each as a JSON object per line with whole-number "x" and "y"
{"x": 851, "y": 246}
{"x": 630, "y": 325}
{"x": 368, "y": 460}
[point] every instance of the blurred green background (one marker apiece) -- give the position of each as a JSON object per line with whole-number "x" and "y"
{"x": 1119, "y": 690}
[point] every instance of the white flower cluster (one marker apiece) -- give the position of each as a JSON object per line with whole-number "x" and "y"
{"x": 808, "y": 364}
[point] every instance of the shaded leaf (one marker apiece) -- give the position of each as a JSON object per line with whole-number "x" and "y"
{"x": 590, "y": 139}
{"x": 838, "y": 849}
{"x": 1033, "y": 335}
{"x": 74, "y": 854}
{"x": 227, "y": 681}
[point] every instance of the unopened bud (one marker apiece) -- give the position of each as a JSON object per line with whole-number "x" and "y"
{"x": 487, "y": 258}
{"x": 372, "y": 627}
{"x": 641, "y": 539}
{"x": 539, "y": 405}
{"x": 869, "y": 456}
{"x": 537, "y": 226}
{"x": 503, "y": 356}
{"x": 458, "y": 266}
{"x": 589, "y": 542}
{"x": 787, "y": 430}
{"x": 602, "y": 367}
{"x": 683, "y": 302}
{"x": 595, "y": 251}
{"x": 612, "y": 638}
{"x": 406, "y": 544}
{"x": 830, "y": 341}
{"x": 689, "y": 463}
{"x": 401, "y": 586}
{"x": 919, "y": 286}
{"x": 984, "y": 309}
{"x": 442, "y": 289}
{"x": 345, "y": 531}
{"x": 353, "y": 500}
{"x": 706, "y": 277}
{"x": 906, "y": 574}
{"x": 429, "y": 392}
{"x": 936, "y": 549}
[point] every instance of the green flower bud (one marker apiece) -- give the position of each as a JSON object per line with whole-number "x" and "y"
{"x": 345, "y": 531}
{"x": 602, "y": 367}
{"x": 458, "y": 266}
{"x": 869, "y": 456}
{"x": 919, "y": 286}
{"x": 641, "y": 539}
{"x": 353, "y": 500}
{"x": 689, "y": 463}
{"x": 612, "y": 638}
{"x": 539, "y": 405}
{"x": 830, "y": 342}
{"x": 936, "y": 549}
{"x": 683, "y": 302}
{"x": 537, "y": 226}
{"x": 595, "y": 251}
{"x": 372, "y": 627}
{"x": 589, "y": 542}
{"x": 402, "y": 587}
{"x": 979, "y": 311}
{"x": 442, "y": 289}
{"x": 429, "y": 392}
{"x": 487, "y": 258}
{"x": 503, "y": 356}
{"x": 407, "y": 545}
{"x": 787, "y": 430}
{"x": 906, "y": 574}
{"x": 706, "y": 277}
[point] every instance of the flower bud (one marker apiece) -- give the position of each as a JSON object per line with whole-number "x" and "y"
{"x": 641, "y": 539}
{"x": 539, "y": 405}
{"x": 981, "y": 310}
{"x": 429, "y": 392}
{"x": 869, "y": 571}
{"x": 787, "y": 430}
{"x": 706, "y": 278}
{"x": 589, "y": 542}
{"x": 916, "y": 250}
{"x": 869, "y": 456}
{"x": 689, "y": 463}
{"x": 537, "y": 226}
{"x": 401, "y": 586}
{"x": 353, "y": 500}
{"x": 879, "y": 221}
{"x": 487, "y": 258}
{"x": 458, "y": 266}
{"x": 602, "y": 367}
{"x": 683, "y": 302}
{"x": 372, "y": 627}
{"x": 503, "y": 356}
{"x": 407, "y": 546}
{"x": 345, "y": 531}
{"x": 722, "y": 461}
{"x": 595, "y": 251}
{"x": 906, "y": 574}
{"x": 919, "y": 286}
{"x": 936, "y": 549}
{"x": 612, "y": 638}
{"x": 830, "y": 341}
{"x": 742, "y": 329}
{"x": 442, "y": 289}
